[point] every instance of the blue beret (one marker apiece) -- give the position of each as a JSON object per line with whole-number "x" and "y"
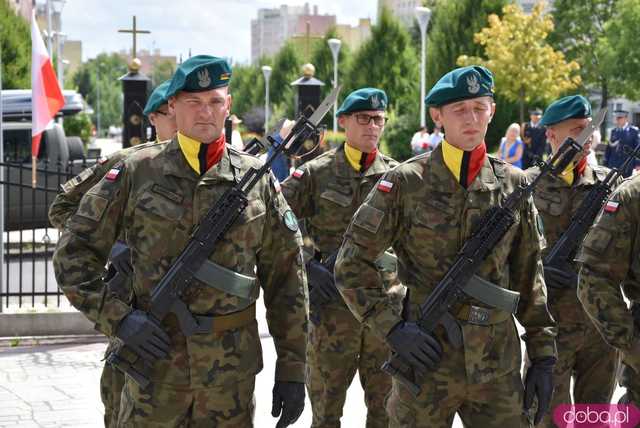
{"x": 200, "y": 73}
{"x": 157, "y": 98}
{"x": 364, "y": 99}
{"x": 571, "y": 107}
{"x": 460, "y": 84}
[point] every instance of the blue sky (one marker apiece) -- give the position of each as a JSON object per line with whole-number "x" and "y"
{"x": 216, "y": 27}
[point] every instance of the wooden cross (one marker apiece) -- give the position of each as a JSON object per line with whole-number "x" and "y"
{"x": 134, "y": 31}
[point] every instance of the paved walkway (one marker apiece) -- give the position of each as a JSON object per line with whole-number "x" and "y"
{"x": 57, "y": 386}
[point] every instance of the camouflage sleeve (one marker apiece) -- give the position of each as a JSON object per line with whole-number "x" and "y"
{"x": 374, "y": 228}
{"x": 526, "y": 275}
{"x": 66, "y": 203}
{"x": 283, "y": 279}
{"x": 605, "y": 259}
{"x": 297, "y": 190}
{"x": 83, "y": 249}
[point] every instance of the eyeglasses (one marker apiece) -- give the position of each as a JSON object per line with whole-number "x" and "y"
{"x": 365, "y": 119}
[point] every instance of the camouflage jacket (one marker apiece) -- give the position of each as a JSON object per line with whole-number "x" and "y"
{"x": 154, "y": 199}
{"x": 557, "y": 203}
{"x": 327, "y": 191}
{"x": 426, "y": 216}
{"x": 610, "y": 265}
{"x": 66, "y": 203}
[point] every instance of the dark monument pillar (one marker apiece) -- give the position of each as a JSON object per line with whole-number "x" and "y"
{"x": 308, "y": 91}
{"x": 135, "y": 88}
{"x": 307, "y": 99}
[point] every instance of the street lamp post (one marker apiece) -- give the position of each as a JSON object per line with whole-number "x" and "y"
{"x": 334, "y": 44}
{"x": 58, "y": 5}
{"x": 98, "y": 100}
{"x": 61, "y": 38}
{"x": 266, "y": 72}
{"x": 423, "y": 14}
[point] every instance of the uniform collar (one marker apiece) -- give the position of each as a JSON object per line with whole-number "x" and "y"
{"x": 443, "y": 180}
{"x": 177, "y": 165}
{"x": 588, "y": 178}
{"x": 343, "y": 169}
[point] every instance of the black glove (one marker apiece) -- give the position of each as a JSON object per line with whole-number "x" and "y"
{"x": 559, "y": 278}
{"x": 419, "y": 348}
{"x": 120, "y": 258}
{"x": 322, "y": 284}
{"x": 144, "y": 336}
{"x": 539, "y": 383}
{"x": 288, "y": 397}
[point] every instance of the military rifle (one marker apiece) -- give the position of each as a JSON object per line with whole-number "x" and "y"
{"x": 564, "y": 250}
{"x": 166, "y": 296}
{"x": 496, "y": 222}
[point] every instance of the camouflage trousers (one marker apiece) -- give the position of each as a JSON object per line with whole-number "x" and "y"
{"x": 584, "y": 356}
{"x": 224, "y": 406}
{"x": 339, "y": 346}
{"x": 495, "y": 404}
{"x": 111, "y": 384}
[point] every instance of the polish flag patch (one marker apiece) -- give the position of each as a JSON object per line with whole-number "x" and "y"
{"x": 112, "y": 175}
{"x": 385, "y": 186}
{"x": 298, "y": 173}
{"x": 611, "y": 207}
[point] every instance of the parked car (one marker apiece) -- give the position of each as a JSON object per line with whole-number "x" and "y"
{"x": 60, "y": 158}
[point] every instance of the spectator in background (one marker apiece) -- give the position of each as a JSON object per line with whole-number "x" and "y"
{"x": 596, "y": 139}
{"x": 535, "y": 139}
{"x": 236, "y": 138}
{"x": 511, "y": 146}
{"x": 624, "y": 137}
{"x": 436, "y": 137}
{"x": 420, "y": 141}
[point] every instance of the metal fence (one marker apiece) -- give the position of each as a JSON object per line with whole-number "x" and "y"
{"x": 29, "y": 240}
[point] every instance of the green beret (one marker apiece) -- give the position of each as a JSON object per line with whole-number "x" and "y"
{"x": 571, "y": 107}
{"x": 364, "y": 99}
{"x": 200, "y": 73}
{"x": 460, "y": 84}
{"x": 157, "y": 98}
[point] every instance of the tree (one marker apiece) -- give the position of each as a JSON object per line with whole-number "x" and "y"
{"x": 525, "y": 66}
{"x": 620, "y": 62}
{"x": 102, "y": 71}
{"x": 388, "y": 61}
{"x": 580, "y": 33}
{"x": 162, "y": 71}
{"x": 286, "y": 68}
{"x": 247, "y": 89}
{"x": 16, "y": 49}
{"x": 322, "y": 59}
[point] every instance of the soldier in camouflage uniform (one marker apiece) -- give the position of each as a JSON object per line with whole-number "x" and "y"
{"x": 326, "y": 192}
{"x": 582, "y": 353}
{"x": 154, "y": 198}
{"x": 610, "y": 266}
{"x": 66, "y": 203}
{"x": 425, "y": 209}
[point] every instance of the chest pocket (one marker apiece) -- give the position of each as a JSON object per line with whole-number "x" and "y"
{"x": 246, "y": 233}
{"x": 334, "y": 197}
{"x": 435, "y": 227}
{"x": 549, "y": 203}
{"x": 157, "y": 214}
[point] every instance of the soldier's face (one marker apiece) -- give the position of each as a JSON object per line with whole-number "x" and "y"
{"x": 621, "y": 121}
{"x": 557, "y": 133}
{"x": 363, "y": 129}
{"x": 200, "y": 115}
{"x": 465, "y": 122}
{"x": 164, "y": 122}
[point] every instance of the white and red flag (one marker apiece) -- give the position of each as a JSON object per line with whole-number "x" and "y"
{"x": 46, "y": 96}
